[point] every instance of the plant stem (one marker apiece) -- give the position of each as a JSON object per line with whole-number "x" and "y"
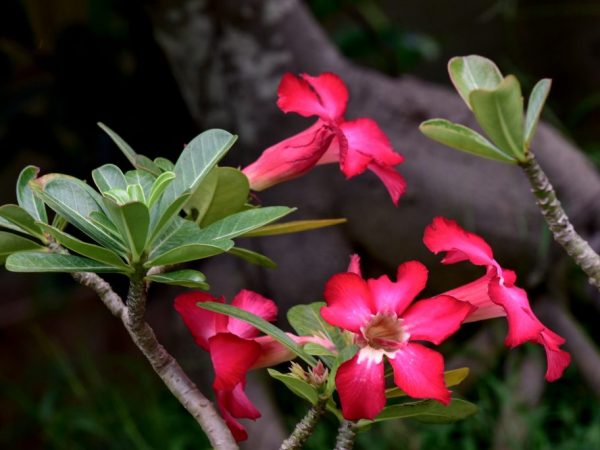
{"x": 346, "y": 435}
{"x": 558, "y": 221}
{"x": 167, "y": 368}
{"x": 305, "y": 427}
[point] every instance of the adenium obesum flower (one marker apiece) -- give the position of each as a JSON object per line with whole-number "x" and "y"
{"x": 495, "y": 294}
{"x": 357, "y": 144}
{"x": 386, "y": 323}
{"x": 234, "y": 348}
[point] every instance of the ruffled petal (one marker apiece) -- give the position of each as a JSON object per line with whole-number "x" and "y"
{"x": 256, "y": 304}
{"x": 558, "y": 359}
{"x": 444, "y": 235}
{"x": 419, "y": 371}
{"x": 395, "y": 297}
{"x": 477, "y": 294}
{"x": 392, "y": 180}
{"x": 361, "y": 385}
{"x": 235, "y": 404}
{"x": 232, "y": 357}
{"x": 202, "y": 324}
{"x": 434, "y": 320}
{"x": 349, "y": 302}
{"x": 325, "y": 95}
{"x": 290, "y": 158}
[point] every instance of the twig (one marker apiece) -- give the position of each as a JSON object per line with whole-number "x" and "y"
{"x": 162, "y": 362}
{"x": 305, "y": 427}
{"x": 558, "y": 222}
{"x": 346, "y": 436}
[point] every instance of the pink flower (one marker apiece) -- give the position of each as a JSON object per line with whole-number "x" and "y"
{"x": 384, "y": 323}
{"x": 234, "y": 349}
{"x": 495, "y": 294}
{"x": 357, "y": 144}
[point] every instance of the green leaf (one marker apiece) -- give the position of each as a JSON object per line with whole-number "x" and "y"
{"x": 262, "y": 325}
{"x": 159, "y": 186}
{"x": 317, "y": 350}
{"x": 183, "y": 249}
{"x": 500, "y": 114}
{"x": 472, "y": 72}
{"x": 164, "y": 164}
{"x": 187, "y": 278}
{"x": 243, "y": 222}
{"x": 132, "y": 221}
{"x": 22, "y": 219}
{"x": 451, "y": 378}
{"x": 92, "y": 251}
{"x": 11, "y": 243}
{"x": 136, "y": 193}
{"x": 537, "y": 98}
{"x": 253, "y": 257}
{"x": 11, "y": 226}
{"x": 198, "y": 203}
{"x": 306, "y": 320}
{"x": 76, "y": 201}
{"x": 53, "y": 262}
{"x": 463, "y": 138}
{"x": 144, "y": 179}
{"x": 295, "y": 226}
{"x": 138, "y": 161}
{"x": 160, "y": 220}
{"x": 25, "y": 197}
{"x": 299, "y": 387}
{"x": 108, "y": 177}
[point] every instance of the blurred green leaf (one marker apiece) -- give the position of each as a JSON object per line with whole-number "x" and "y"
{"x": 253, "y": 257}
{"x": 472, "y": 72}
{"x": 11, "y": 243}
{"x": 164, "y": 164}
{"x": 537, "y": 98}
{"x": 186, "y": 277}
{"x": 294, "y": 226}
{"x": 463, "y": 138}
{"x": 52, "y": 262}
{"x": 299, "y": 387}
{"x": 25, "y": 197}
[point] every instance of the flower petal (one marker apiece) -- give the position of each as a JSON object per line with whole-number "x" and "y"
{"x": 325, "y": 95}
{"x": 235, "y": 404}
{"x": 354, "y": 266}
{"x": 232, "y": 357}
{"x": 349, "y": 302}
{"x": 434, "y": 320}
{"x": 290, "y": 158}
{"x": 558, "y": 359}
{"x": 477, "y": 294}
{"x": 444, "y": 235}
{"x": 256, "y": 304}
{"x": 202, "y": 324}
{"x": 272, "y": 352}
{"x": 361, "y": 386}
{"x": 392, "y": 180}
{"x": 395, "y": 297}
{"x": 419, "y": 371}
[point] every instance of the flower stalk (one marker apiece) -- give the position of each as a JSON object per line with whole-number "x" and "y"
{"x": 346, "y": 435}
{"x": 305, "y": 427}
{"x": 562, "y": 230}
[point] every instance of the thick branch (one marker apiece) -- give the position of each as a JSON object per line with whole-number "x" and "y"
{"x": 558, "y": 222}
{"x": 162, "y": 362}
{"x": 346, "y": 436}
{"x": 305, "y": 427}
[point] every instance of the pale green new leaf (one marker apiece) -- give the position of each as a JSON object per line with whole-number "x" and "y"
{"x": 253, "y": 257}
{"x": 472, "y": 72}
{"x": 500, "y": 114}
{"x": 463, "y": 138}
{"x": 164, "y": 164}
{"x": 11, "y": 243}
{"x": 108, "y": 177}
{"x": 21, "y": 219}
{"x": 186, "y": 278}
{"x": 136, "y": 193}
{"x": 53, "y": 262}
{"x": 537, "y": 98}
{"x": 451, "y": 378}
{"x": 295, "y": 226}
{"x": 142, "y": 178}
{"x": 133, "y": 221}
{"x": 159, "y": 186}
{"x": 25, "y": 197}
{"x": 299, "y": 387}
{"x": 262, "y": 325}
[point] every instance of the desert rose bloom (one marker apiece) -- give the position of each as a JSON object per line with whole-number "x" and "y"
{"x": 357, "y": 144}
{"x": 495, "y": 294}
{"x": 234, "y": 348}
{"x": 386, "y": 323}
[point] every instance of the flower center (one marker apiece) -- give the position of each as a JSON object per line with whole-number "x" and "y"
{"x": 385, "y": 331}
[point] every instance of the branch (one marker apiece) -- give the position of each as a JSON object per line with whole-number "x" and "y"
{"x": 305, "y": 427}
{"x": 346, "y": 436}
{"x": 558, "y": 222}
{"x": 162, "y": 362}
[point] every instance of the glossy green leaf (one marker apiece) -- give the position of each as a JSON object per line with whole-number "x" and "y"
{"x": 186, "y": 277}
{"x": 53, "y": 262}
{"x": 229, "y": 196}
{"x": 472, "y": 72}
{"x": 76, "y": 201}
{"x": 164, "y": 164}
{"x": 92, "y": 251}
{"x": 306, "y": 320}
{"x": 262, "y": 325}
{"x": 299, "y": 387}
{"x": 133, "y": 221}
{"x": 108, "y": 177}
{"x": 295, "y": 226}
{"x": 537, "y": 99}
{"x": 500, "y": 115}
{"x": 451, "y": 378}
{"x": 25, "y": 196}
{"x": 253, "y": 257}
{"x": 11, "y": 243}
{"x": 463, "y": 138}
{"x": 159, "y": 186}
{"x": 22, "y": 219}
{"x": 244, "y": 222}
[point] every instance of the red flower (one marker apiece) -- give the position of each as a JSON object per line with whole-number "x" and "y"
{"x": 495, "y": 294}
{"x": 234, "y": 349}
{"x": 357, "y": 145}
{"x": 384, "y": 323}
